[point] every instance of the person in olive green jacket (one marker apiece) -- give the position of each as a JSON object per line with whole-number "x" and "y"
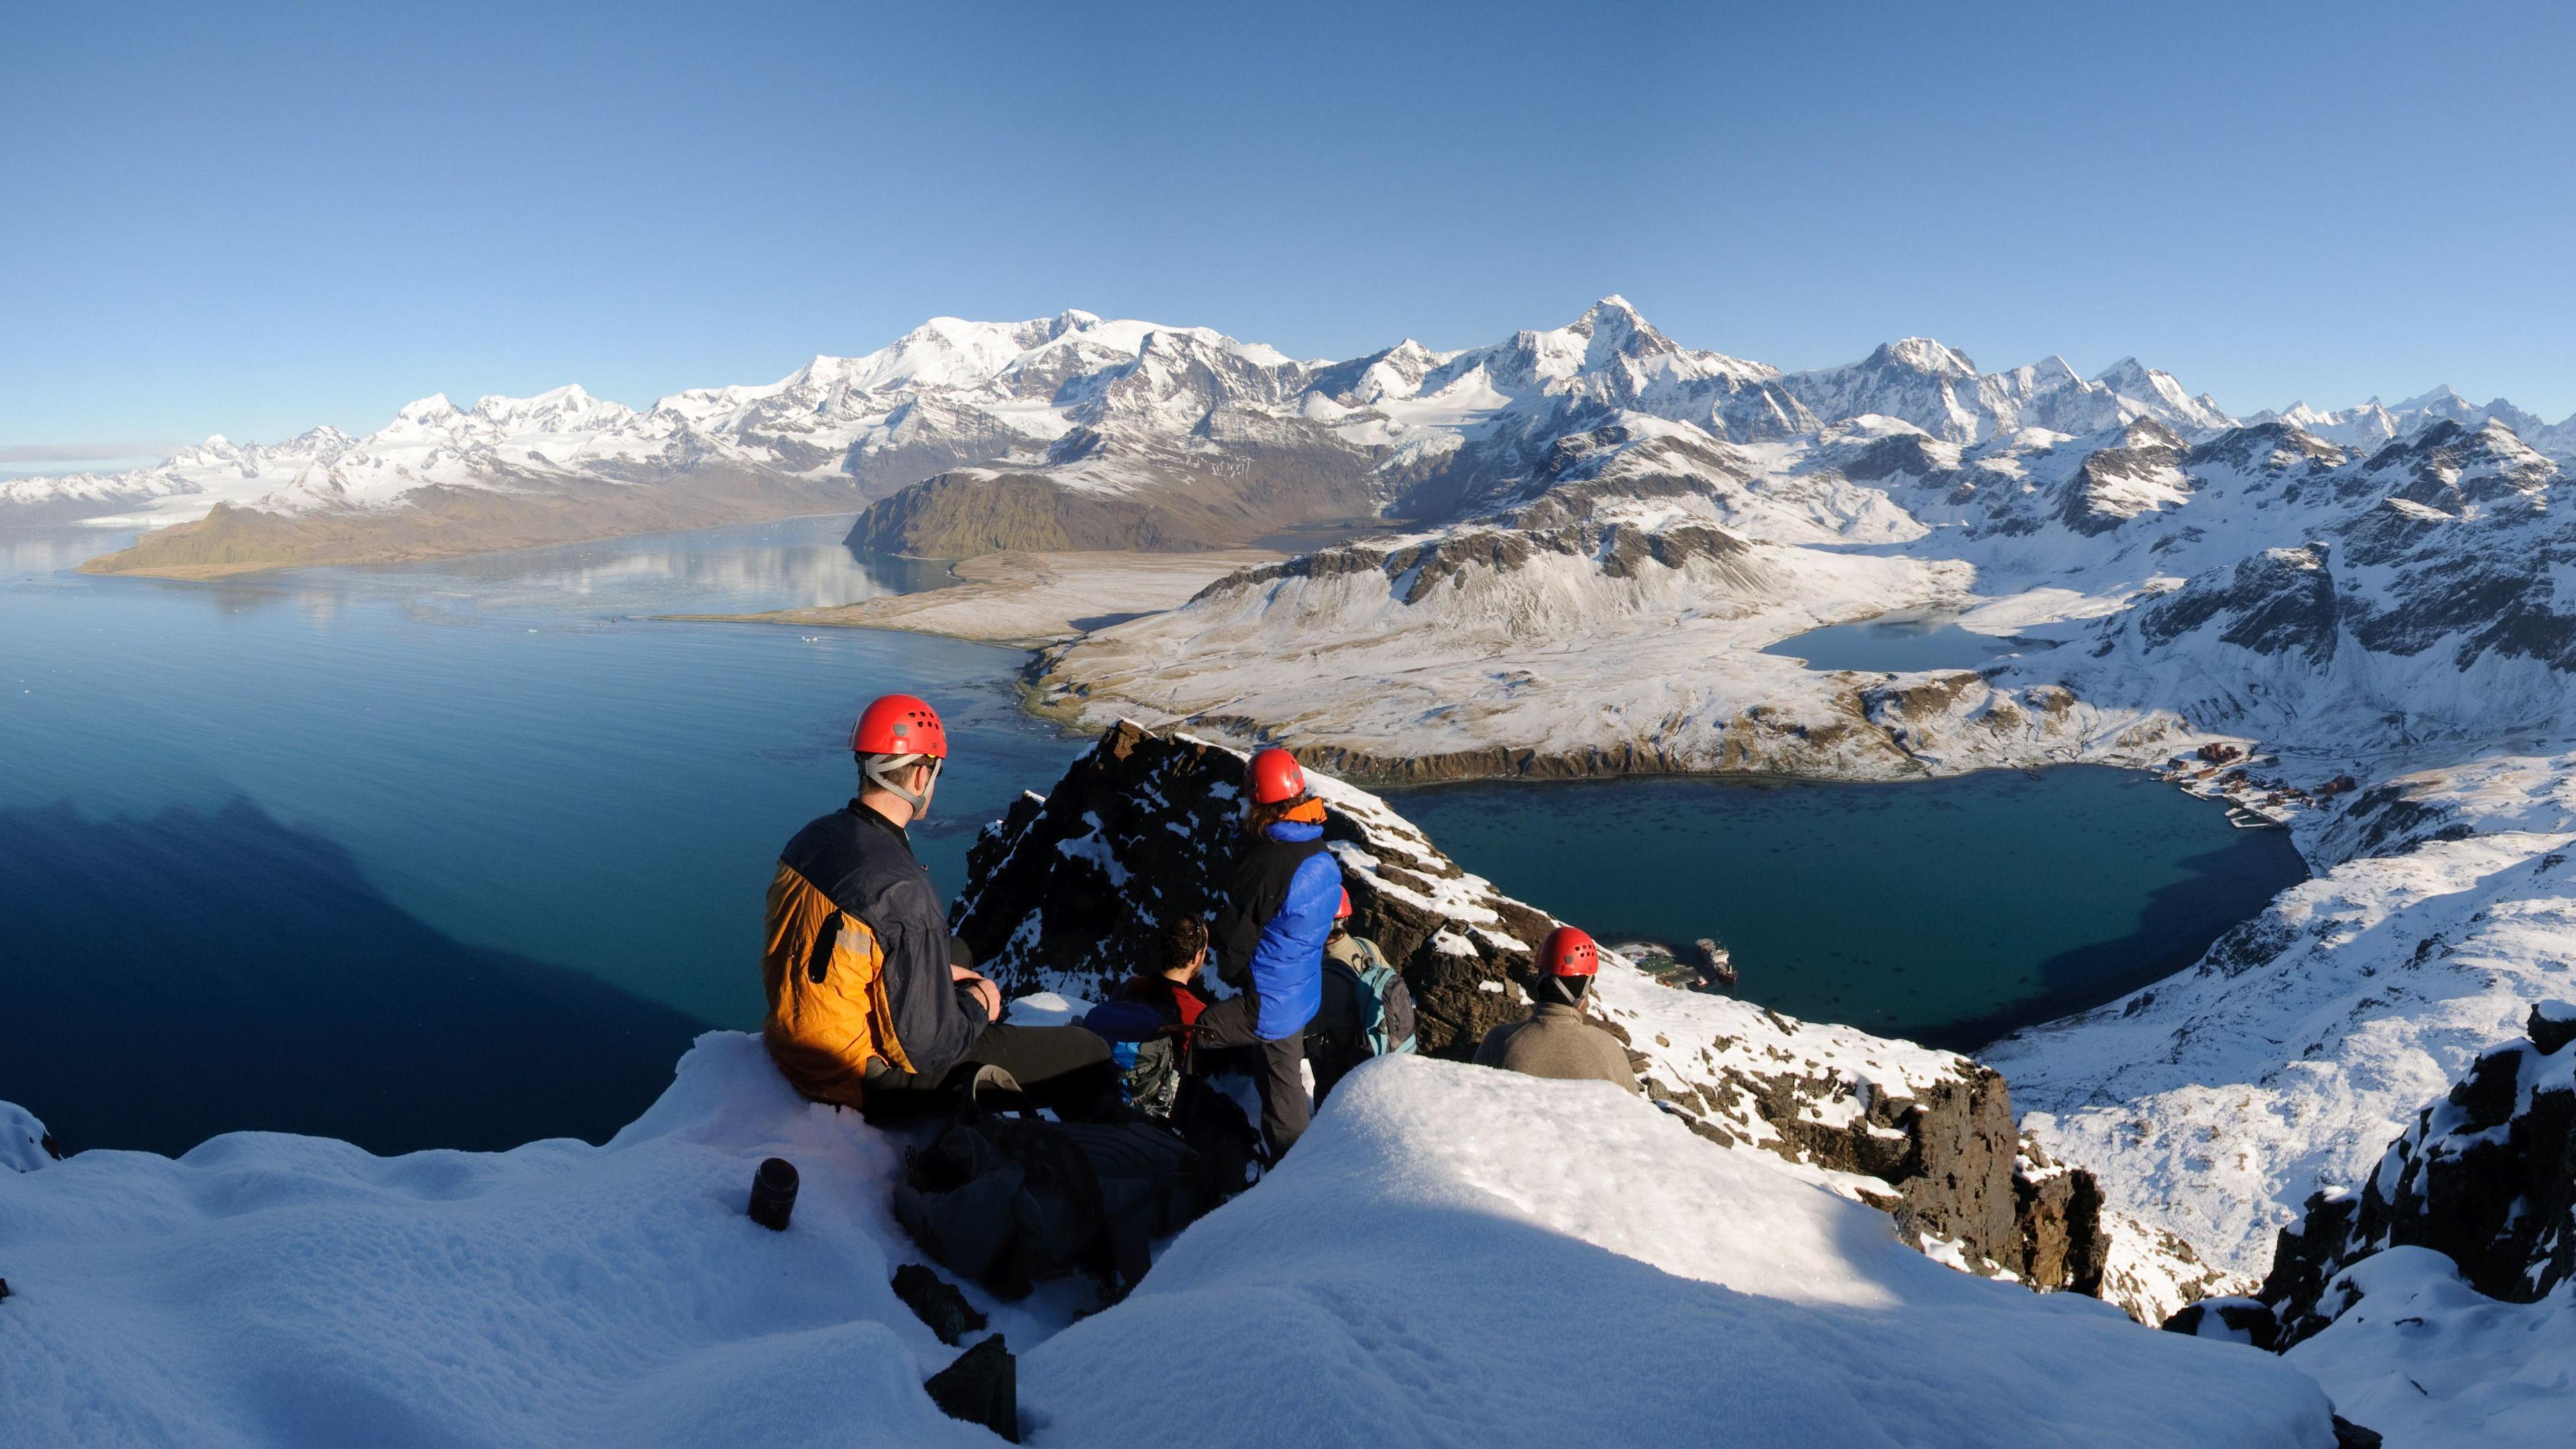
{"x": 1557, "y": 1040}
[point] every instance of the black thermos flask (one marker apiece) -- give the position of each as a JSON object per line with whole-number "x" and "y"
{"x": 773, "y": 1194}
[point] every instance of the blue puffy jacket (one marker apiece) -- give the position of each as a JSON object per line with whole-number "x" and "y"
{"x": 1278, "y": 910}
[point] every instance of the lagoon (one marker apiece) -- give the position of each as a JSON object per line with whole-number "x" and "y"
{"x": 1900, "y": 642}
{"x": 1946, "y": 911}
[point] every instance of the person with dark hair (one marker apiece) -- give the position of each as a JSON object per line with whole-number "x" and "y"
{"x": 1555, "y": 1040}
{"x": 871, "y": 1003}
{"x": 1270, "y": 939}
{"x": 1148, "y": 1022}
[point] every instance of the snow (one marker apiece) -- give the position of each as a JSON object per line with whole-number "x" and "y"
{"x": 991, "y": 392}
{"x": 1394, "y": 1274}
{"x": 22, "y": 1139}
{"x": 270, "y": 1289}
{"x": 2427, "y": 1360}
{"x": 1458, "y": 1256}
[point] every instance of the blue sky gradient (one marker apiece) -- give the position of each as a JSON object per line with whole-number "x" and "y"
{"x": 252, "y": 219}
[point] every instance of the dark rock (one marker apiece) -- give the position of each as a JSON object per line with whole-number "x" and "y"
{"x": 2349, "y": 1435}
{"x": 2237, "y": 1320}
{"x": 1069, "y": 889}
{"x": 981, "y": 1387}
{"x": 937, "y": 1302}
{"x": 2552, "y": 1025}
{"x": 2057, "y": 1212}
{"x": 4, "y": 1290}
{"x": 2279, "y": 601}
{"x": 2486, "y": 1176}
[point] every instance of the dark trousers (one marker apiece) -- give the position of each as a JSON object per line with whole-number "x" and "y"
{"x": 1281, "y": 1078}
{"x": 1063, "y": 1067}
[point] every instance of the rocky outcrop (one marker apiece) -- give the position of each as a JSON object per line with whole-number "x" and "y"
{"x": 2486, "y": 1177}
{"x": 2058, "y": 1221}
{"x": 1107, "y": 490}
{"x": 1069, "y": 889}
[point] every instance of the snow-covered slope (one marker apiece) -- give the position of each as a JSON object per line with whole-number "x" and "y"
{"x": 2438, "y": 1301}
{"x": 1453, "y": 1256}
{"x": 1459, "y": 1257}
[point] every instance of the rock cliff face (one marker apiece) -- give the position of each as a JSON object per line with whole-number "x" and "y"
{"x": 1068, "y": 890}
{"x": 2486, "y": 1177}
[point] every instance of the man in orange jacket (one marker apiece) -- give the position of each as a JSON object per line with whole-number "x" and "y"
{"x": 871, "y": 1003}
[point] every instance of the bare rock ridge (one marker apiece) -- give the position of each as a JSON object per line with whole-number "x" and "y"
{"x": 1067, "y": 891}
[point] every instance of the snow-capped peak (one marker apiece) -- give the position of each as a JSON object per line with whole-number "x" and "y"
{"x": 557, "y": 409}
{"x": 434, "y": 408}
{"x": 1922, "y": 354}
{"x": 2443, "y": 398}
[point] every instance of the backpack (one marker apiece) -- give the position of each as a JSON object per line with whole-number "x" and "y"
{"x": 1229, "y": 1150}
{"x": 1008, "y": 1201}
{"x": 1385, "y": 1004}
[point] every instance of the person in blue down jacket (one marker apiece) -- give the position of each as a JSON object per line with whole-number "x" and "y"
{"x": 1278, "y": 911}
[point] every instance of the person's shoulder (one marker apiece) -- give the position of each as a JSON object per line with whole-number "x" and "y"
{"x": 837, "y": 825}
{"x": 1320, "y": 871}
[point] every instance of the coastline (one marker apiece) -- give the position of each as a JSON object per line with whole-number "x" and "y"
{"x": 1027, "y": 600}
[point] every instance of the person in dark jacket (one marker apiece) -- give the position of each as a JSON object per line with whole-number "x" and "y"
{"x": 1148, "y": 1022}
{"x": 871, "y": 1004}
{"x": 1270, "y": 939}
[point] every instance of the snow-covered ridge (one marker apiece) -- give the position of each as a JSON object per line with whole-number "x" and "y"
{"x": 269, "y": 1289}
{"x": 1068, "y": 890}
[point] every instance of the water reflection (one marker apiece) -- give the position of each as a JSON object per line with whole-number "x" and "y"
{"x": 785, "y": 564}
{"x": 28, "y": 555}
{"x": 789, "y": 563}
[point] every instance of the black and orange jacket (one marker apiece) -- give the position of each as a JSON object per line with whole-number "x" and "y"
{"x": 856, "y": 965}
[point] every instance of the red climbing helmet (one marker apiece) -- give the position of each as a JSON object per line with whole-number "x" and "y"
{"x": 899, "y": 724}
{"x": 1343, "y": 913}
{"x": 1275, "y": 777}
{"x": 1568, "y": 952}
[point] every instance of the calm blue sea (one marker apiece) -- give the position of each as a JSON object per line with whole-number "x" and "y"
{"x": 464, "y": 853}
{"x": 262, "y": 781}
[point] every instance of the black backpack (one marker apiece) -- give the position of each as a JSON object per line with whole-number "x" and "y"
{"x": 1229, "y": 1148}
{"x": 1008, "y": 1201}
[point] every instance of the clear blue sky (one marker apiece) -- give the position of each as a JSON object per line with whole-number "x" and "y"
{"x": 250, "y": 219}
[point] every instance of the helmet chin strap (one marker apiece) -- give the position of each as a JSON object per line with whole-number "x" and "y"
{"x": 886, "y": 772}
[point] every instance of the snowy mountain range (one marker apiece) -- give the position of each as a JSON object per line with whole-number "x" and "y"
{"x": 1075, "y": 431}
